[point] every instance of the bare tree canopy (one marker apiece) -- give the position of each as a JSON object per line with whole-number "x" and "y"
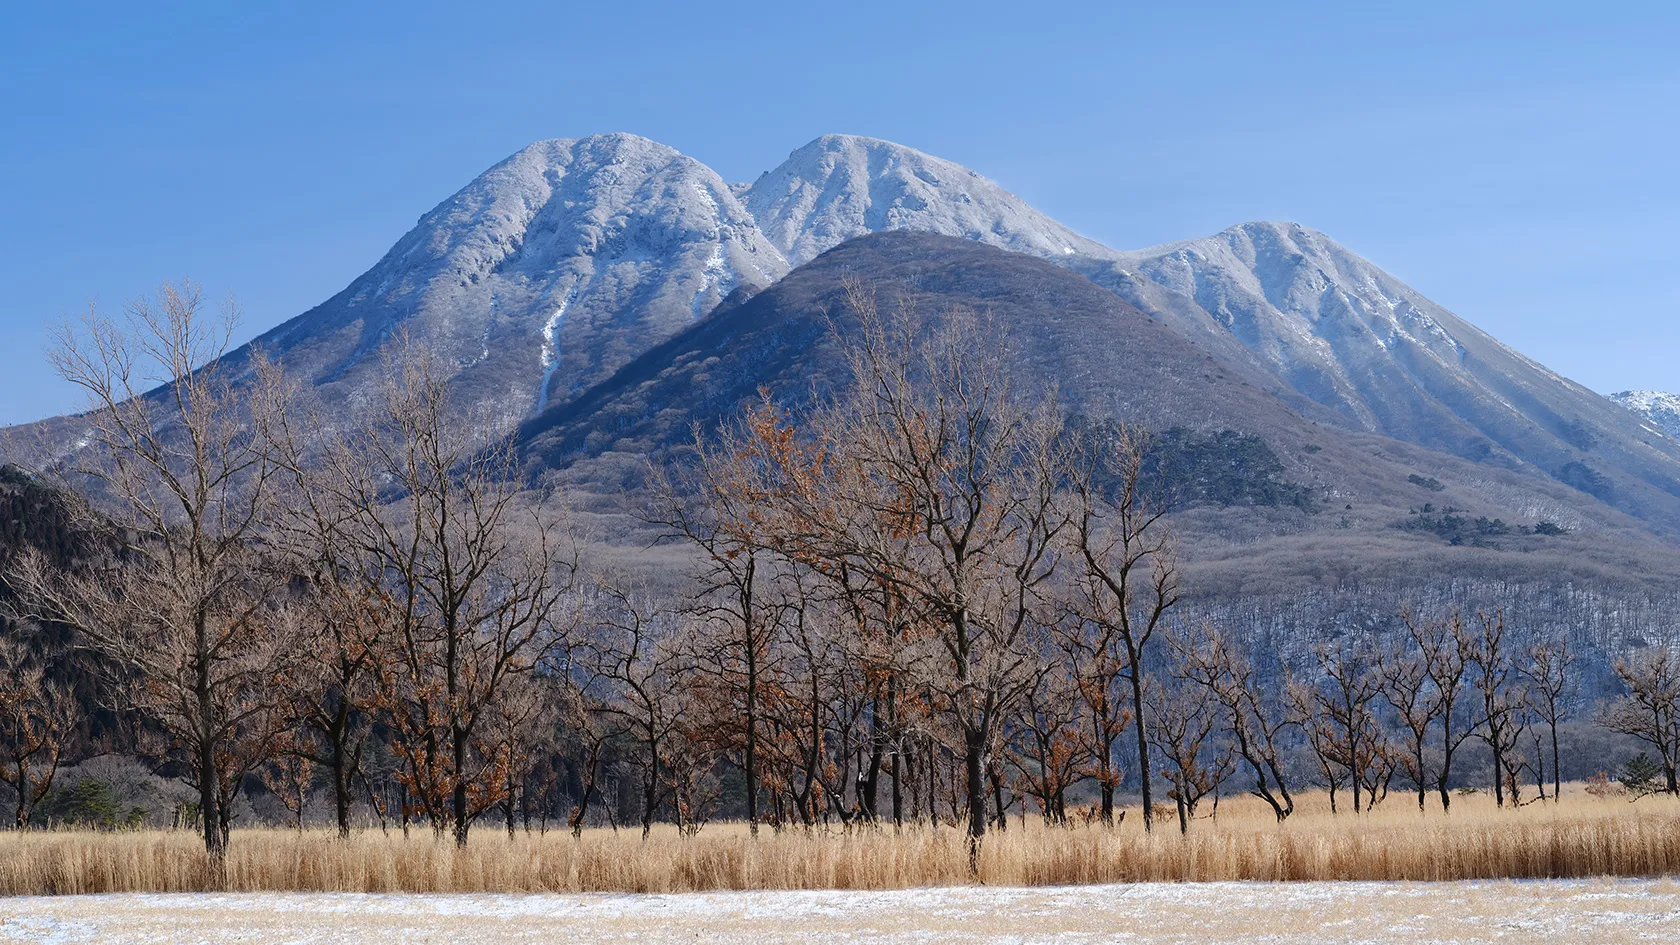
{"x": 187, "y": 608}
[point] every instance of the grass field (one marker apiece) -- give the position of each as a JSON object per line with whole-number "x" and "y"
{"x": 1600, "y": 912}
{"x": 1581, "y": 837}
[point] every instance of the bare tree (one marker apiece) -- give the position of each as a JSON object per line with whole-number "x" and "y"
{"x": 724, "y": 523}
{"x": 185, "y": 609}
{"x": 521, "y": 729}
{"x": 1650, "y": 711}
{"x": 1321, "y": 734}
{"x": 290, "y": 777}
{"x": 37, "y": 720}
{"x": 635, "y": 664}
{"x": 1125, "y": 583}
{"x": 587, "y": 730}
{"x": 1195, "y": 761}
{"x": 1500, "y": 726}
{"x": 1048, "y": 748}
{"x": 1339, "y": 716}
{"x": 886, "y": 652}
{"x": 931, "y": 477}
{"x": 821, "y": 688}
{"x": 1409, "y": 691}
{"x": 346, "y": 606}
{"x": 474, "y": 578}
{"x": 1098, "y": 665}
{"x": 1549, "y": 670}
{"x": 1259, "y": 728}
{"x": 1447, "y": 649}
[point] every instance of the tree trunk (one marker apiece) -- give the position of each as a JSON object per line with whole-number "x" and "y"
{"x": 1498, "y": 773}
{"x": 1557, "y": 774}
{"x": 897, "y": 749}
{"x": 1446, "y": 760}
{"x": 869, "y": 784}
{"x": 997, "y": 798}
{"x": 341, "y": 793}
{"x": 974, "y": 749}
{"x": 591, "y": 772}
{"x": 650, "y": 790}
{"x": 21, "y": 786}
{"x": 458, "y": 800}
{"x": 1142, "y": 745}
{"x": 510, "y": 804}
{"x": 209, "y": 810}
{"x": 1422, "y": 782}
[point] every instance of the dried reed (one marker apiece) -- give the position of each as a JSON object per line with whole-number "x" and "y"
{"x": 1583, "y": 836}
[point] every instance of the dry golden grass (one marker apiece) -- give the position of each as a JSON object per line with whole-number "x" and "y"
{"x": 1583, "y": 836}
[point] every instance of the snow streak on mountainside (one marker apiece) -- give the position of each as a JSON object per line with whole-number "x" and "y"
{"x": 1661, "y": 408}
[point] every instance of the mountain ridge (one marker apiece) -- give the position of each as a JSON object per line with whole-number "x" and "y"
{"x": 569, "y": 259}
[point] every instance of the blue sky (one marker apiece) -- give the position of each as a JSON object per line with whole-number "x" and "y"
{"x": 1519, "y": 163}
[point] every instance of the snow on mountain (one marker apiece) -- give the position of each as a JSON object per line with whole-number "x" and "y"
{"x": 842, "y": 186}
{"x": 1660, "y": 408}
{"x": 565, "y": 261}
{"x": 546, "y": 273}
{"x": 1329, "y": 322}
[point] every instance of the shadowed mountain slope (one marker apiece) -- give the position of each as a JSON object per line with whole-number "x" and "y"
{"x": 1107, "y": 357}
{"x": 1370, "y": 507}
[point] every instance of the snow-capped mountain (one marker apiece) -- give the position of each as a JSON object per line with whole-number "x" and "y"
{"x": 1660, "y": 408}
{"x": 844, "y": 186}
{"x": 545, "y": 274}
{"x": 564, "y": 262}
{"x": 560, "y": 264}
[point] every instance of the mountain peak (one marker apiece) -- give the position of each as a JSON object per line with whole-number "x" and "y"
{"x": 547, "y": 272}
{"x": 838, "y": 187}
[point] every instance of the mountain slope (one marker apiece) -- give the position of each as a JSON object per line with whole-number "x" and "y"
{"x": 1377, "y": 510}
{"x": 1107, "y": 357}
{"x": 1388, "y": 360}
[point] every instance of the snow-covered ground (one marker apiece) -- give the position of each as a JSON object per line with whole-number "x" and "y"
{"x": 1589, "y": 911}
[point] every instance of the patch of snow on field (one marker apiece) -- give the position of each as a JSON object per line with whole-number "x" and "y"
{"x": 1599, "y": 911}
{"x": 46, "y": 930}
